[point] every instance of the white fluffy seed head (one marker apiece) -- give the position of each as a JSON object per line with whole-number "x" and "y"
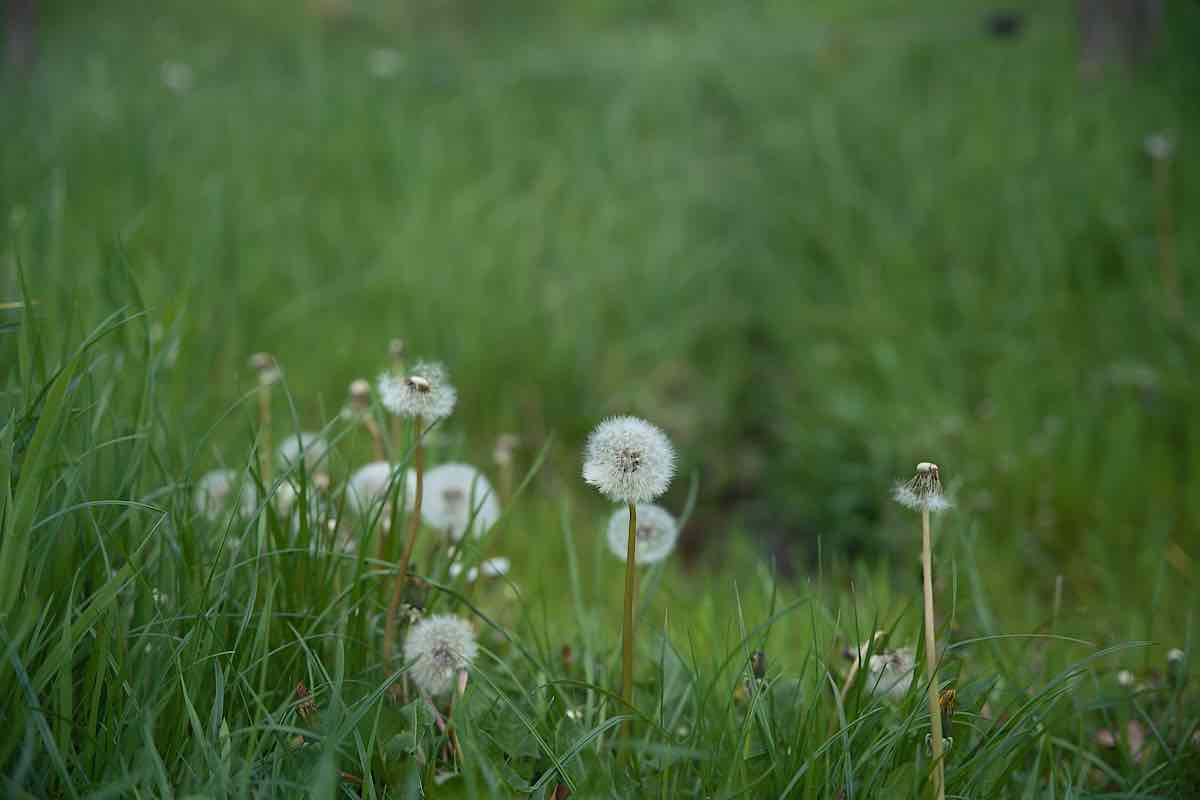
{"x": 459, "y": 498}
{"x": 489, "y": 568}
{"x": 425, "y": 392}
{"x": 628, "y": 460}
{"x": 890, "y": 673}
{"x": 371, "y": 486}
{"x": 922, "y": 492}
{"x": 656, "y": 532}
{"x": 311, "y": 446}
{"x": 436, "y": 649}
{"x": 214, "y": 494}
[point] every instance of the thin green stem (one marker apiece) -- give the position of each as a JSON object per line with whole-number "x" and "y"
{"x": 935, "y": 715}
{"x": 627, "y": 626}
{"x": 414, "y": 524}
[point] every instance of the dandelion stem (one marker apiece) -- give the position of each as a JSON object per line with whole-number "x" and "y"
{"x": 414, "y": 523}
{"x": 1166, "y": 237}
{"x": 264, "y": 430}
{"x": 935, "y": 716}
{"x": 627, "y": 626}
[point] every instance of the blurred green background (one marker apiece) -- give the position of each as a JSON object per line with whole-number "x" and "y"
{"x": 816, "y": 242}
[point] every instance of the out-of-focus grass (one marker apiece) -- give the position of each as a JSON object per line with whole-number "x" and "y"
{"x": 814, "y": 244}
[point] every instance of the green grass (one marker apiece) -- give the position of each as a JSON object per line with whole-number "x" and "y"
{"x": 816, "y": 243}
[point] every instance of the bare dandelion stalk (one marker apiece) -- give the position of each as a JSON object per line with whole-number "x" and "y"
{"x": 396, "y": 350}
{"x": 923, "y": 492}
{"x": 360, "y": 405}
{"x": 268, "y": 374}
{"x": 414, "y": 524}
{"x": 627, "y": 624}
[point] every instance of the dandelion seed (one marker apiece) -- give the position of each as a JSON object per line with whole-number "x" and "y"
{"x": 370, "y": 486}
{"x": 311, "y": 446}
{"x": 425, "y": 392}
{"x": 458, "y": 497}
{"x": 214, "y": 491}
{"x": 656, "y": 532}
{"x": 922, "y": 492}
{"x": 629, "y": 460}
{"x": 438, "y": 648}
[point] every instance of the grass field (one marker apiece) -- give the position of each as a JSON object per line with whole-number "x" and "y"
{"x": 814, "y": 243}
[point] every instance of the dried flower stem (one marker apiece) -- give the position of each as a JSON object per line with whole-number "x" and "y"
{"x": 935, "y": 715}
{"x": 414, "y": 524}
{"x": 627, "y": 626}
{"x": 264, "y": 431}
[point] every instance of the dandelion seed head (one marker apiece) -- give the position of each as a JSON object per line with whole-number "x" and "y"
{"x": 628, "y": 460}
{"x": 214, "y": 492}
{"x": 489, "y": 568}
{"x": 1159, "y": 146}
{"x": 656, "y": 532}
{"x": 370, "y": 487}
{"x": 890, "y": 673}
{"x": 922, "y": 492}
{"x": 425, "y": 392}
{"x": 1175, "y": 656}
{"x": 459, "y": 497}
{"x": 311, "y": 446}
{"x": 437, "y": 648}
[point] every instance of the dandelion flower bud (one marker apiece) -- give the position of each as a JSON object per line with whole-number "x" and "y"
{"x": 656, "y": 533}
{"x": 214, "y": 491}
{"x": 923, "y": 492}
{"x": 312, "y": 447}
{"x": 458, "y": 497}
{"x": 425, "y": 393}
{"x": 370, "y": 486}
{"x": 628, "y": 460}
{"x": 437, "y": 649}
{"x": 890, "y": 673}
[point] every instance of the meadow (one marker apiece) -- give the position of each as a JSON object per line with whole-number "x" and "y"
{"x": 815, "y": 244}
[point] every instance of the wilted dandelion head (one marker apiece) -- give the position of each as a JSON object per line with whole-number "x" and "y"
{"x": 890, "y": 672}
{"x": 311, "y": 446}
{"x": 922, "y": 492}
{"x": 425, "y": 392}
{"x": 458, "y": 497}
{"x": 437, "y": 648}
{"x": 360, "y": 394}
{"x": 370, "y": 486}
{"x": 214, "y": 494}
{"x": 267, "y": 368}
{"x": 506, "y": 443}
{"x": 628, "y": 460}
{"x": 656, "y": 533}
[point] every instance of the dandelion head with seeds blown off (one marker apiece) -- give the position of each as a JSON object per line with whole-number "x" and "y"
{"x": 437, "y": 648}
{"x": 458, "y": 497}
{"x": 922, "y": 492}
{"x": 656, "y": 533}
{"x": 425, "y": 392}
{"x": 628, "y": 460}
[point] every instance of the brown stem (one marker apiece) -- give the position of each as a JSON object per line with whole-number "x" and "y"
{"x": 935, "y": 715}
{"x": 414, "y": 523}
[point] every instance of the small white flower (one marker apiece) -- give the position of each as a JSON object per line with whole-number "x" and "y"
{"x": 923, "y": 492}
{"x": 425, "y": 392}
{"x": 372, "y": 485}
{"x": 214, "y": 491}
{"x": 656, "y": 533}
{"x": 890, "y": 673}
{"x": 311, "y": 445}
{"x": 458, "y": 497}
{"x": 628, "y": 460}
{"x": 437, "y": 649}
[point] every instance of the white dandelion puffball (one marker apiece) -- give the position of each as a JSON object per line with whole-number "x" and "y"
{"x": 370, "y": 486}
{"x": 214, "y": 493}
{"x": 655, "y": 533}
{"x": 425, "y": 392}
{"x": 458, "y": 497}
{"x": 628, "y": 460}
{"x": 312, "y": 445}
{"x": 922, "y": 492}
{"x": 489, "y": 568}
{"x": 436, "y": 649}
{"x": 890, "y": 673}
